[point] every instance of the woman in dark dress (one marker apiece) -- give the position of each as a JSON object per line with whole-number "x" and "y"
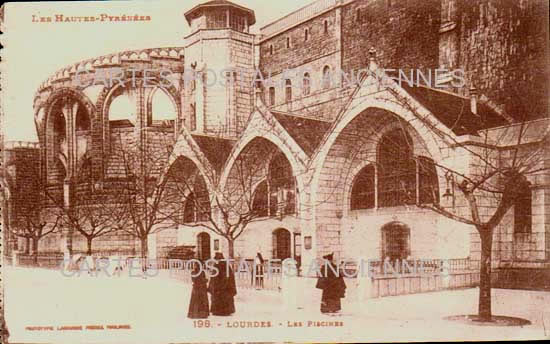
{"x": 198, "y": 306}
{"x": 332, "y": 284}
{"x": 222, "y": 288}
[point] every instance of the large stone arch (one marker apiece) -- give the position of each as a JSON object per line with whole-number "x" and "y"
{"x": 333, "y": 203}
{"x": 172, "y": 94}
{"x": 297, "y": 166}
{"x": 108, "y": 94}
{"x": 62, "y": 95}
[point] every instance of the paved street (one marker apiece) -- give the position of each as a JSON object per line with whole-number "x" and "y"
{"x": 40, "y": 302}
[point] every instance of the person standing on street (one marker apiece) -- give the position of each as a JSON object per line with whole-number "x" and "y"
{"x": 332, "y": 283}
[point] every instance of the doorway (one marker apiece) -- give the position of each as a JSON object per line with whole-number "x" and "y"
{"x": 281, "y": 244}
{"x": 203, "y": 246}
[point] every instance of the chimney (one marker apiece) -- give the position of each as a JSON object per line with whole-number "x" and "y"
{"x": 473, "y": 100}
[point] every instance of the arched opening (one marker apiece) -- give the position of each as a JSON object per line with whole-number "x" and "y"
{"x": 281, "y": 186}
{"x": 281, "y": 244}
{"x": 272, "y": 96}
{"x": 306, "y": 87}
{"x": 186, "y": 184}
{"x": 56, "y": 143}
{"x": 260, "y": 204}
{"x": 122, "y": 109}
{"x": 261, "y": 181}
{"x": 163, "y": 110}
{"x": 82, "y": 122}
{"x": 363, "y": 190}
{"x": 197, "y": 202}
{"x": 396, "y": 241}
{"x": 396, "y": 169}
{"x": 203, "y": 246}
{"x": 326, "y": 77}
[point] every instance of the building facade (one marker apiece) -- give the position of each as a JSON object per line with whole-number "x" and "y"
{"x": 345, "y": 167}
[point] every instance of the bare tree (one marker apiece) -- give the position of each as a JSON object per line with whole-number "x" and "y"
{"x": 498, "y": 177}
{"x": 34, "y": 225}
{"x": 142, "y": 193}
{"x": 95, "y": 215}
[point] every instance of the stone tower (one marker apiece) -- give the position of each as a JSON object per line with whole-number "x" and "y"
{"x": 219, "y": 62}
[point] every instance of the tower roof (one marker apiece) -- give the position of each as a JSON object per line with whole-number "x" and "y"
{"x": 197, "y": 10}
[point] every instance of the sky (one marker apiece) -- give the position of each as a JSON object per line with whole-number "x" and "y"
{"x": 33, "y": 51}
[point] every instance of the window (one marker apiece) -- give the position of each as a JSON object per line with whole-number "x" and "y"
{"x": 326, "y": 77}
{"x": 306, "y": 84}
{"x": 288, "y": 90}
{"x": 523, "y": 212}
{"x": 276, "y": 195}
{"x": 260, "y": 203}
{"x": 401, "y": 178}
{"x": 197, "y": 204}
{"x": 358, "y": 17}
{"x": 395, "y": 241}
{"x": 288, "y": 42}
{"x": 428, "y": 189}
{"x": 397, "y": 170}
{"x": 306, "y": 35}
{"x": 362, "y": 192}
{"x": 325, "y": 24}
{"x": 272, "y": 96}
{"x": 271, "y": 49}
{"x": 193, "y": 117}
{"x": 281, "y": 186}
{"x": 237, "y": 22}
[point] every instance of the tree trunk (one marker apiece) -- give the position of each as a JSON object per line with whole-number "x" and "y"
{"x": 144, "y": 247}
{"x": 89, "y": 242}
{"x": 35, "y": 249}
{"x": 231, "y": 248}
{"x": 484, "y": 306}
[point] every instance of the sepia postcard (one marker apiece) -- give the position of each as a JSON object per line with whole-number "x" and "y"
{"x": 300, "y": 171}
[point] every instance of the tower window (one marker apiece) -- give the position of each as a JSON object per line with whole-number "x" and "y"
{"x": 193, "y": 119}
{"x": 271, "y": 49}
{"x": 306, "y": 35}
{"x": 288, "y": 90}
{"x": 272, "y": 96}
{"x": 325, "y": 24}
{"x": 326, "y": 77}
{"x": 306, "y": 84}
{"x": 288, "y": 42}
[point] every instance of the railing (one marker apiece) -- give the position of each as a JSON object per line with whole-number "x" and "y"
{"x": 53, "y": 261}
{"x": 409, "y": 267}
{"x": 245, "y": 275}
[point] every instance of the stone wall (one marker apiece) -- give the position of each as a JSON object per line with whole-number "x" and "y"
{"x": 405, "y": 34}
{"x": 503, "y": 48}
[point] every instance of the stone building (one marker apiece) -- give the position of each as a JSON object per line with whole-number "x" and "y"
{"x": 351, "y": 163}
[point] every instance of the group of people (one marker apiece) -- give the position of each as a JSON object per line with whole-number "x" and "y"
{"x": 222, "y": 289}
